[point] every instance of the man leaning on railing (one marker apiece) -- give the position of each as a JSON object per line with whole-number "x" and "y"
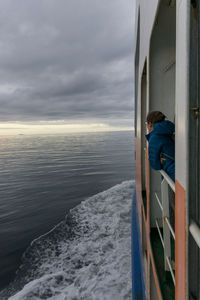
{"x": 161, "y": 143}
{"x": 162, "y": 151}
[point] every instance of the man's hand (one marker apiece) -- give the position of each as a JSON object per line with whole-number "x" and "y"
{"x": 162, "y": 160}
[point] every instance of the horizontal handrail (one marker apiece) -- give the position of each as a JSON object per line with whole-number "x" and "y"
{"x": 159, "y": 202}
{"x": 195, "y": 232}
{"x": 171, "y": 270}
{"x": 168, "y": 179}
{"x": 170, "y": 227}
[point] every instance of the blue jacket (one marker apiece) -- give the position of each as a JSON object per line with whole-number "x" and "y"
{"x": 161, "y": 145}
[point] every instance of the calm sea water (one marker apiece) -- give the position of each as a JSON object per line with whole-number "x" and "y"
{"x": 43, "y": 177}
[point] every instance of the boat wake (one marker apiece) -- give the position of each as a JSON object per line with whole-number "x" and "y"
{"x": 86, "y": 256}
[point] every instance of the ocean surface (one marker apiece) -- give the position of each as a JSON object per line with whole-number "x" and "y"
{"x": 43, "y": 181}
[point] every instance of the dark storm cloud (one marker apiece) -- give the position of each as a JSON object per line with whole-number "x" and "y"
{"x": 66, "y": 60}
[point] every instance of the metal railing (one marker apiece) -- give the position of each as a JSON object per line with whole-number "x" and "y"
{"x": 168, "y": 230}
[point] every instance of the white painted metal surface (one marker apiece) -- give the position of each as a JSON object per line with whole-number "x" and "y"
{"x": 168, "y": 179}
{"x": 166, "y": 231}
{"x": 159, "y": 203}
{"x": 195, "y": 232}
{"x": 182, "y": 91}
{"x": 166, "y": 219}
{"x": 171, "y": 270}
{"x": 145, "y": 8}
{"x": 170, "y": 227}
{"x": 160, "y": 234}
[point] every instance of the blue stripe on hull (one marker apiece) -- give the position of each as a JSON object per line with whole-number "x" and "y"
{"x": 138, "y": 286}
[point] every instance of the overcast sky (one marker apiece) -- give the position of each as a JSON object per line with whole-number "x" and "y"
{"x": 66, "y": 62}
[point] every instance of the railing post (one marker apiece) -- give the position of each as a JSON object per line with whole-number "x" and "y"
{"x": 166, "y": 231}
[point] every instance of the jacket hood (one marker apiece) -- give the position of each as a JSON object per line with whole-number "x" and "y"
{"x": 162, "y": 128}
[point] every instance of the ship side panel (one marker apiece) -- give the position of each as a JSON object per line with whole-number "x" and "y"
{"x": 147, "y": 11}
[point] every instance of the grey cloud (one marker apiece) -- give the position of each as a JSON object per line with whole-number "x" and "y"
{"x": 66, "y": 60}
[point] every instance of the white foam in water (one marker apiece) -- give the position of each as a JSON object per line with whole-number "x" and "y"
{"x": 85, "y": 257}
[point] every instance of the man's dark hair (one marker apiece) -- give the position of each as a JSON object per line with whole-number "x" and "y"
{"x": 155, "y": 117}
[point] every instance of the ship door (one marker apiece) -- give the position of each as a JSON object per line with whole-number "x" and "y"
{"x": 194, "y": 152}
